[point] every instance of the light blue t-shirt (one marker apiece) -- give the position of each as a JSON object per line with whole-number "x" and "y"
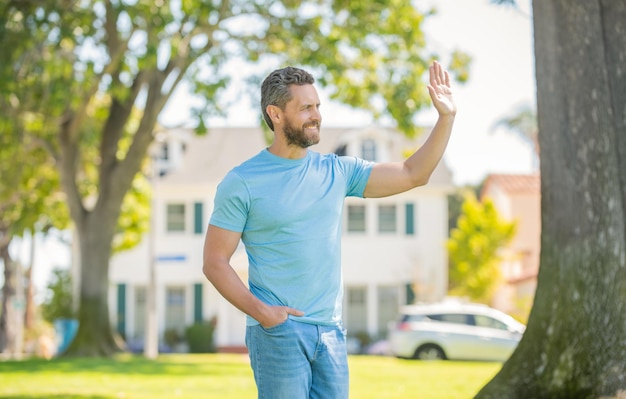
{"x": 289, "y": 213}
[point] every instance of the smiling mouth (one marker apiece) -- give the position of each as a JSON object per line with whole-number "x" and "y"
{"x": 315, "y": 126}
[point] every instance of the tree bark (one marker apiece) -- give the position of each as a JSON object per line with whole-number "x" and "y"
{"x": 95, "y": 336}
{"x": 8, "y": 292}
{"x": 574, "y": 346}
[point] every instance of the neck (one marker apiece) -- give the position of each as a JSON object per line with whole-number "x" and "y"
{"x": 284, "y": 150}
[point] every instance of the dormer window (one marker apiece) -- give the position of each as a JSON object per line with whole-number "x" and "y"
{"x": 342, "y": 150}
{"x": 164, "y": 154}
{"x": 368, "y": 150}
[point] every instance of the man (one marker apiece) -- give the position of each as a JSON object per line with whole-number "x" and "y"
{"x": 285, "y": 204}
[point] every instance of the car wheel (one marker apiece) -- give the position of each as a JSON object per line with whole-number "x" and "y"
{"x": 429, "y": 352}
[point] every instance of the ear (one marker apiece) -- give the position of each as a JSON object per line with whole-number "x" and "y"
{"x": 275, "y": 113}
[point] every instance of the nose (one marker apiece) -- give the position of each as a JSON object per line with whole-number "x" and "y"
{"x": 317, "y": 115}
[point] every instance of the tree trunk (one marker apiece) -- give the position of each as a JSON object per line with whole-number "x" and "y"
{"x": 8, "y": 292}
{"x": 95, "y": 336}
{"x": 574, "y": 346}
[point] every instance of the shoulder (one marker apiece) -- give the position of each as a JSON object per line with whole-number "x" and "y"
{"x": 353, "y": 163}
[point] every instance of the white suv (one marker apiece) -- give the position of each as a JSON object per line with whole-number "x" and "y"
{"x": 453, "y": 330}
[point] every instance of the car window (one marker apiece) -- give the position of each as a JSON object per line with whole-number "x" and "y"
{"x": 456, "y": 318}
{"x": 409, "y": 318}
{"x": 486, "y": 321}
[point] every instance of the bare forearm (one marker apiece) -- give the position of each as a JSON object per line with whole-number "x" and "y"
{"x": 423, "y": 162}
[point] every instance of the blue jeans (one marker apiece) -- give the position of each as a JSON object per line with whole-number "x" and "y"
{"x": 296, "y": 360}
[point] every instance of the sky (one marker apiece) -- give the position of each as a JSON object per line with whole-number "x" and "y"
{"x": 498, "y": 38}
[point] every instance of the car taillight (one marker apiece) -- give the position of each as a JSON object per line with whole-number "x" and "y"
{"x": 404, "y": 326}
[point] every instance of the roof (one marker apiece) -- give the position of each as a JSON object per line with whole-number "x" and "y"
{"x": 208, "y": 158}
{"x": 513, "y": 183}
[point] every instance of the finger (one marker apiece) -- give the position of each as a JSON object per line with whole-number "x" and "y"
{"x": 433, "y": 74}
{"x": 294, "y": 312}
{"x": 438, "y": 75}
{"x": 441, "y": 77}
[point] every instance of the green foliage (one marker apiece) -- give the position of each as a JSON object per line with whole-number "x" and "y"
{"x": 30, "y": 199}
{"x": 455, "y": 203}
{"x": 474, "y": 247}
{"x": 134, "y": 220}
{"x": 58, "y": 303}
{"x": 370, "y": 55}
{"x": 199, "y": 337}
{"x": 29, "y": 188}
{"x": 36, "y": 86}
{"x": 172, "y": 337}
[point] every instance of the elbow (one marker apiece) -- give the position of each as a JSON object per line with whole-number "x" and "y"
{"x": 214, "y": 269}
{"x": 208, "y": 269}
{"x": 421, "y": 180}
{"x": 417, "y": 175}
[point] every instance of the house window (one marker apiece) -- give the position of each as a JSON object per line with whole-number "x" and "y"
{"x": 356, "y": 218}
{"x": 387, "y": 219}
{"x": 175, "y": 217}
{"x": 368, "y": 150}
{"x": 356, "y": 310}
{"x": 409, "y": 214}
{"x": 175, "y": 308}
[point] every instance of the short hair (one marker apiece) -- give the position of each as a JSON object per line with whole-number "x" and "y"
{"x": 275, "y": 88}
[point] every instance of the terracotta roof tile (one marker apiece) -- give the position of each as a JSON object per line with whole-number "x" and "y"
{"x": 514, "y": 183}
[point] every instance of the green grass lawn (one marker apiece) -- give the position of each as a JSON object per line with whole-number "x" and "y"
{"x": 226, "y": 376}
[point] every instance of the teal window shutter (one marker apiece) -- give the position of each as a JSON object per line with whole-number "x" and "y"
{"x": 121, "y": 309}
{"x": 198, "y": 223}
{"x": 197, "y": 302}
{"x": 410, "y": 293}
{"x": 410, "y": 219}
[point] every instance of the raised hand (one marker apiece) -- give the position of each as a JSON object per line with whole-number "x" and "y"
{"x": 440, "y": 91}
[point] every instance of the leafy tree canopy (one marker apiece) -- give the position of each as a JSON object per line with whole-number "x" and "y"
{"x": 475, "y": 248}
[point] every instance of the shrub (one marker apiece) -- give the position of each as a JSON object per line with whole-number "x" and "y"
{"x": 200, "y": 337}
{"x": 58, "y": 303}
{"x": 172, "y": 337}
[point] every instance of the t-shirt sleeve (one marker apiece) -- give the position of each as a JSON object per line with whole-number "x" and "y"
{"x": 357, "y": 172}
{"x": 231, "y": 204}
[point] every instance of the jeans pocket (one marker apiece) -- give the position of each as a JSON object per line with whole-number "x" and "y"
{"x": 275, "y": 328}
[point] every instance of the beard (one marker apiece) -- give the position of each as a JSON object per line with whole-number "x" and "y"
{"x": 297, "y": 136}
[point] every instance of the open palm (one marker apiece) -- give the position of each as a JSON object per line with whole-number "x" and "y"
{"x": 440, "y": 91}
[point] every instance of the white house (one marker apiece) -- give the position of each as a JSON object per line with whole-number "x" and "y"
{"x": 393, "y": 248}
